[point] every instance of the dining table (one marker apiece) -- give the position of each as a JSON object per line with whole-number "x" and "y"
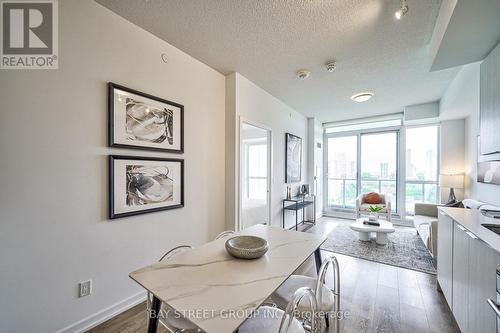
{"x": 218, "y": 292}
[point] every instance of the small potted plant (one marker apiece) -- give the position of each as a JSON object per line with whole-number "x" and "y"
{"x": 374, "y": 211}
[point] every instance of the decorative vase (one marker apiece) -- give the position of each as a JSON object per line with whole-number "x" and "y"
{"x": 373, "y": 217}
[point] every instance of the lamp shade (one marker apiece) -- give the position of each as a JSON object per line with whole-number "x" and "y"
{"x": 451, "y": 181}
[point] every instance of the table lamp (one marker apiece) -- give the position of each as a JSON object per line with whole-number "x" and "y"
{"x": 452, "y": 182}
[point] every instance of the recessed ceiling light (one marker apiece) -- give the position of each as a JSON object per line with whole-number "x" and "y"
{"x": 403, "y": 9}
{"x": 362, "y": 97}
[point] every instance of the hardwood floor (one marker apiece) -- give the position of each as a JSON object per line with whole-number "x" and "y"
{"x": 376, "y": 297}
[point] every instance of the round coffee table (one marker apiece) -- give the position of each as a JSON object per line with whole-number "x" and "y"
{"x": 365, "y": 230}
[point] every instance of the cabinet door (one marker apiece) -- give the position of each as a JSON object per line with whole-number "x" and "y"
{"x": 482, "y": 285}
{"x": 460, "y": 276}
{"x": 445, "y": 255}
{"x": 490, "y": 102}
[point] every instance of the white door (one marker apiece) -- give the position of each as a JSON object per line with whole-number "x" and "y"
{"x": 255, "y": 171}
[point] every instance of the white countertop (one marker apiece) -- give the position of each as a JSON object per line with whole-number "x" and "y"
{"x": 208, "y": 279}
{"x": 471, "y": 219}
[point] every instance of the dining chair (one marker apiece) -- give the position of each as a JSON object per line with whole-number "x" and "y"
{"x": 224, "y": 234}
{"x": 172, "y": 321}
{"x": 328, "y": 300}
{"x": 268, "y": 319}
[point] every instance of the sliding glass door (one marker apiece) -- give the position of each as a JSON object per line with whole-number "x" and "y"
{"x": 379, "y": 156}
{"x": 361, "y": 163}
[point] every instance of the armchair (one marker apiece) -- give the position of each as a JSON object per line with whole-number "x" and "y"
{"x": 362, "y": 206}
{"x": 426, "y": 224}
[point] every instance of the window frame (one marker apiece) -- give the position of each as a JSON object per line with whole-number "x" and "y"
{"x": 332, "y": 210}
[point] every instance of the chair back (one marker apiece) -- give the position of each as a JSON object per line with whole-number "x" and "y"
{"x": 224, "y": 234}
{"x": 175, "y": 251}
{"x": 291, "y": 309}
{"x": 333, "y": 262}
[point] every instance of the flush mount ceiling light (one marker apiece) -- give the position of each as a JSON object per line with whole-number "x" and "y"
{"x": 403, "y": 9}
{"x": 362, "y": 97}
{"x": 303, "y": 74}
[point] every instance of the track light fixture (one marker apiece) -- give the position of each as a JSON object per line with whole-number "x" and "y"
{"x": 403, "y": 9}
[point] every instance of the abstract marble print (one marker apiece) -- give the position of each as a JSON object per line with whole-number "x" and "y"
{"x": 488, "y": 172}
{"x": 293, "y": 158}
{"x": 148, "y": 185}
{"x": 148, "y": 123}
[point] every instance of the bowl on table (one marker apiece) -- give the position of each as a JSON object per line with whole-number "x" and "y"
{"x": 247, "y": 247}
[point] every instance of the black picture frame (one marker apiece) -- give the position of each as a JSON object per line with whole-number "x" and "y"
{"x": 288, "y": 139}
{"x": 111, "y": 119}
{"x": 111, "y": 200}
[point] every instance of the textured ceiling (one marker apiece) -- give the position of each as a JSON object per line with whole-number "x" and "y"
{"x": 268, "y": 40}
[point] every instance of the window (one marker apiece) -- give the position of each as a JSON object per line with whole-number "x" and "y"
{"x": 342, "y": 170}
{"x": 421, "y": 166}
{"x": 377, "y": 153}
{"x": 256, "y": 175}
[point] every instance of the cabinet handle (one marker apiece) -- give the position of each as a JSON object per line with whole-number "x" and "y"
{"x": 460, "y": 227}
{"x": 494, "y": 306}
{"x": 471, "y": 235}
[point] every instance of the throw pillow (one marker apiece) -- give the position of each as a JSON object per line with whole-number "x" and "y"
{"x": 373, "y": 198}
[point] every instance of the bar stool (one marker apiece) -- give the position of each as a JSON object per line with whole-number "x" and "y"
{"x": 267, "y": 319}
{"x": 328, "y": 300}
{"x": 167, "y": 317}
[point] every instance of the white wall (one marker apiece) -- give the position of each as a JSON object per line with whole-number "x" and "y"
{"x": 452, "y": 157}
{"x": 315, "y": 162}
{"x": 462, "y": 100}
{"x": 54, "y": 230}
{"x": 247, "y": 100}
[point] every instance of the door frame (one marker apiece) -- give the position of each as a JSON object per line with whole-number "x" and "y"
{"x": 243, "y": 120}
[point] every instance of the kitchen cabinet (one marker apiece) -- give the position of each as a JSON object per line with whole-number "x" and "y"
{"x": 490, "y": 102}
{"x": 460, "y": 276}
{"x": 467, "y": 266}
{"x": 482, "y": 285}
{"x": 445, "y": 255}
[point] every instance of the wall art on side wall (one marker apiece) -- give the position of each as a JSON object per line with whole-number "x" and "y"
{"x": 139, "y": 185}
{"x": 293, "y": 159}
{"x": 138, "y": 120}
{"x": 488, "y": 172}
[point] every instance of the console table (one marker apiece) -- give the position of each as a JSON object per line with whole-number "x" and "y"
{"x": 297, "y": 203}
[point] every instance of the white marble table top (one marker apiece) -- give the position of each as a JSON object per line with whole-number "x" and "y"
{"x": 213, "y": 289}
{"x": 385, "y": 226}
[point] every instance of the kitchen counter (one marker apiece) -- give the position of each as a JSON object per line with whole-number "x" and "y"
{"x": 471, "y": 219}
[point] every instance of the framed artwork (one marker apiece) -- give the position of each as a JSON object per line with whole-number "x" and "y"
{"x": 488, "y": 172}
{"x": 141, "y": 121}
{"x": 139, "y": 185}
{"x": 293, "y": 159}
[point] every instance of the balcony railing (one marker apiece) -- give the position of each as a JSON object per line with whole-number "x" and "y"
{"x": 342, "y": 192}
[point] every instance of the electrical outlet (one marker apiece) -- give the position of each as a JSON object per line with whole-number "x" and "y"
{"x": 85, "y": 288}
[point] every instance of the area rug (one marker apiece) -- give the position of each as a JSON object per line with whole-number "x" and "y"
{"x": 404, "y": 249}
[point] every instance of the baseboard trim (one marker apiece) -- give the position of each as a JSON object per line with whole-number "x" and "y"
{"x": 105, "y": 314}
